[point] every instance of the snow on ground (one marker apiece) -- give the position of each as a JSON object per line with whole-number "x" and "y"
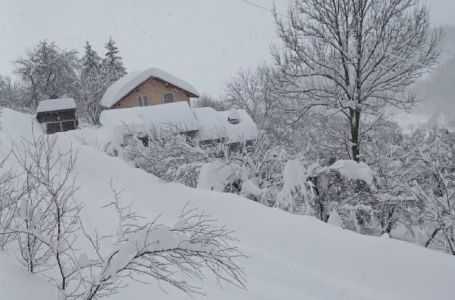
{"x": 215, "y": 176}
{"x": 17, "y": 284}
{"x": 290, "y": 256}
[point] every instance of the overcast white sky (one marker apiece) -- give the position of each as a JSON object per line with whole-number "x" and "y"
{"x": 202, "y": 41}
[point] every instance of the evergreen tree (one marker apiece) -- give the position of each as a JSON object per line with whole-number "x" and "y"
{"x": 112, "y": 63}
{"x": 90, "y": 62}
{"x": 92, "y": 83}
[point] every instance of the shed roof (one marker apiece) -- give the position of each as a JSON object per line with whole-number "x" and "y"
{"x": 56, "y": 104}
{"x": 127, "y": 83}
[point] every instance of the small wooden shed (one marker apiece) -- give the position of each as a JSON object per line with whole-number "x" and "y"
{"x": 57, "y": 115}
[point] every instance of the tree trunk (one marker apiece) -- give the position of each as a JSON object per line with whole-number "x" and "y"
{"x": 355, "y": 133}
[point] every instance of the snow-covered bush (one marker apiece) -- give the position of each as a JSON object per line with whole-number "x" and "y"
{"x": 297, "y": 194}
{"x": 415, "y": 184}
{"x": 171, "y": 158}
{"x": 347, "y": 188}
{"x": 431, "y": 175}
{"x": 254, "y": 172}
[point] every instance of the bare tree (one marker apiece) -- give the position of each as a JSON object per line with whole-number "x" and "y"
{"x": 47, "y": 72}
{"x": 209, "y": 101}
{"x": 47, "y": 223}
{"x": 8, "y": 202}
{"x": 354, "y": 57}
{"x": 254, "y": 91}
{"x": 153, "y": 251}
{"x": 433, "y": 182}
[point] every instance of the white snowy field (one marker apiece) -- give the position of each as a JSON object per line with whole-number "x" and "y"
{"x": 289, "y": 256}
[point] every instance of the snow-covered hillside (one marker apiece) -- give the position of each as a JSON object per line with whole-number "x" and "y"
{"x": 290, "y": 256}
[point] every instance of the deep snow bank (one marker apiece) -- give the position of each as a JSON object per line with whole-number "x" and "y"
{"x": 290, "y": 256}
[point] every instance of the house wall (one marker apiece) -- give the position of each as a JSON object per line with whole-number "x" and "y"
{"x": 155, "y": 90}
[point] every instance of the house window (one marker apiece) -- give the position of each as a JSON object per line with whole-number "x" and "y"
{"x": 168, "y": 97}
{"x": 142, "y": 101}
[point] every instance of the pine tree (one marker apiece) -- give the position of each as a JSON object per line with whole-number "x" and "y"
{"x": 90, "y": 62}
{"x": 92, "y": 83}
{"x": 112, "y": 63}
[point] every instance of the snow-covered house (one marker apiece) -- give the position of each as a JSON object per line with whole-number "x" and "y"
{"x": 205, "y": 125}
{"x": 145, "y": 88}
{"x": 57, "y": 115}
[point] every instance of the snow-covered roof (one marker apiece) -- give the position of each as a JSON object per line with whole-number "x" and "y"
{"x": 56, "y": 104}
{"x": 215, "y": 125}
{"x": 164, "y": 118}
{"x": 176, "y": 117}
{"x": 127, "y": 83}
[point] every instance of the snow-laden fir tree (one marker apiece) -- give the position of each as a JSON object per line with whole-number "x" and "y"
{"x": 90, "y": 62}
{"x": 112, "y": 63}
{"x": 92, "y": 84}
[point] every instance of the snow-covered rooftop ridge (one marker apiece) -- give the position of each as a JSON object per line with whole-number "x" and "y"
{"x": 127, "y": 83}
{"x": 56, "y": 104}
{"x": 215, "y": 125}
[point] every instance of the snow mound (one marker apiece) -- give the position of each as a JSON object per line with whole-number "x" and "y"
{"x": 335, "y": 219}
{"x": 215, "y": 176}
{"x": 354, "y": 170}
{"x": 216, "y": 125}
{"x": 56, "y": 104}
{"x": 127, "y": 83}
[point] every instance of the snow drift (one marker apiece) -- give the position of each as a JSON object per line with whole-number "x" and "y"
{"x": 290, "y": 256}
